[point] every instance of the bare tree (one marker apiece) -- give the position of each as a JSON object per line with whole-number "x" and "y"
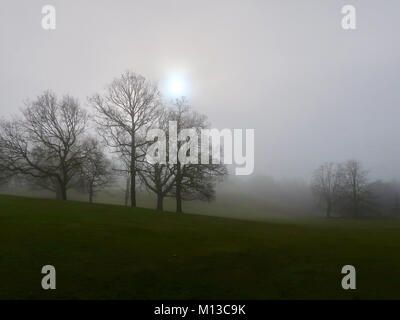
{"x": 123, "y": 114}
{"x": 45, "y": 143}
{"x": 192, "y": 181}
{"x": 198, "y": 182}
{"x": 386, "y": 196}
{"x": 158, "y": 177}
{"x": 96, "y": 171}
{"x": 326, "y": 185}
{"x": 356, "y": 189}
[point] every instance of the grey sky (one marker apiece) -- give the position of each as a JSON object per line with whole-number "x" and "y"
{"x": 312, "y": 91}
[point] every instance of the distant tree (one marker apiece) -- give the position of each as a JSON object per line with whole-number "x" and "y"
{"x": 96, "y": 170}
{"x": 344, "y": 187}
{"x": 387, "y": 196}
{"x": 123, "y": 113}
{"x": 327, "y": 184}
{"x": 356, "y": 189}
{"x": 45, "y": 143}
{"x": 396, "y": 202}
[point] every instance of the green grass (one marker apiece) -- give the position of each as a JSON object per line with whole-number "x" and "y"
{"x": 113, "y": 252}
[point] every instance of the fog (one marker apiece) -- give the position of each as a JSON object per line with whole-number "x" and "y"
{"x": 312, "y": 91}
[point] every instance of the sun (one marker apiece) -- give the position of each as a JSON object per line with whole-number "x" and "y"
{"x": 176, "y": 85}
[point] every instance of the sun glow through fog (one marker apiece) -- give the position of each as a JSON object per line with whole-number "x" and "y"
{"x": 176, "y": 86}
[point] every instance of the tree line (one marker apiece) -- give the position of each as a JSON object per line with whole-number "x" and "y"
{"x": 56, "y": 144}
{"x": 344, "y": 189}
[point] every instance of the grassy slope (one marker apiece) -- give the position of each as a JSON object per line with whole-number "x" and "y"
{"x": 105, "y": 251}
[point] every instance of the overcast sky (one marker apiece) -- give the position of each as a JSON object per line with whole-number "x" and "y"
{"x": 312, "y": 91}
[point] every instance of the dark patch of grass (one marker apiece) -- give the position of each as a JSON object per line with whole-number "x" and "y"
{"x": 114, "y": 252}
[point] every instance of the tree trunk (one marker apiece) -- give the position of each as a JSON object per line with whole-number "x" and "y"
{"x": 133, "y": 170}
{"x": 58, "y": 192}
{"x": 355, "y": 199}
{"x": 356, "y": 213}
{"x": 133, "y": 190}
{"x": 127, "y": 190}
{"x": 160, "y": 202}
{"x": 328, "y": 210}
{"x": 178, "y": 190}
{"x": 90, "y": 194}
{"x": 63, "y": 192}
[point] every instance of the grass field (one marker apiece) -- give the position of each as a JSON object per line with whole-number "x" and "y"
{"x": 113, "y": 252}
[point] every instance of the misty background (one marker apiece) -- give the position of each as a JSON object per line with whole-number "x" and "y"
{"x": 312, "y": 91}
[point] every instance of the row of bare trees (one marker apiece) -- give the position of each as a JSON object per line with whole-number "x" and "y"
{"x": 52, "y": 144}
{"x": 128, "y": 108}
{"x": 48, "y": 147}
{"x": 345, "y": 188}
